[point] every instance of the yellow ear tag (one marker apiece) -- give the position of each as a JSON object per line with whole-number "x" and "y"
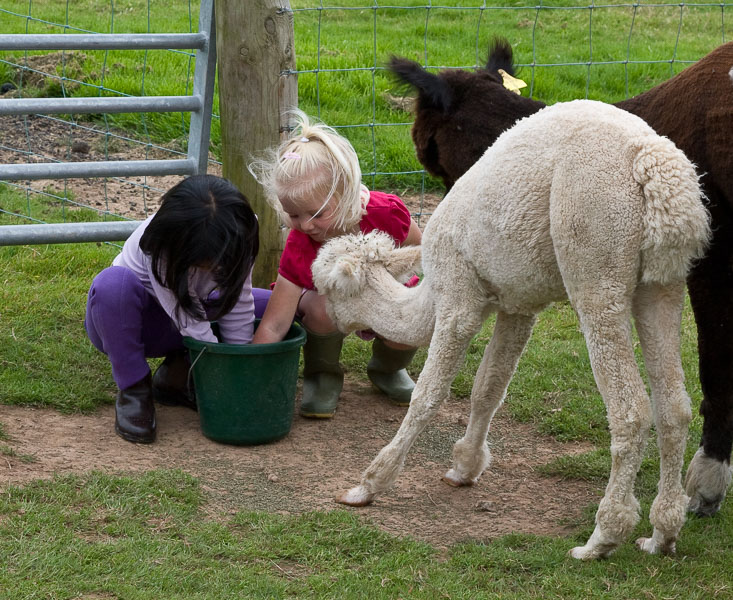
{"x": 511, "y": 83}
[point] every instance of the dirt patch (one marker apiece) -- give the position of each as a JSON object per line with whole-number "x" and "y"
{"x": 319, "y": 459}
{"x": 421, "y": 206}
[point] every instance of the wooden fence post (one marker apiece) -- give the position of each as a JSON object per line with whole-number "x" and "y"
{"x": 256, "y": 54}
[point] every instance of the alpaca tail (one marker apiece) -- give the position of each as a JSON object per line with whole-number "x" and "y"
{"x": 676, "y": 222}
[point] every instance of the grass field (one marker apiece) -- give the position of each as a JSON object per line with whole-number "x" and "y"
{"x": 102, "y": 537}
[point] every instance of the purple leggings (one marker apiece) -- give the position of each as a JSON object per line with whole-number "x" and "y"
{"x": 125, "y": 321}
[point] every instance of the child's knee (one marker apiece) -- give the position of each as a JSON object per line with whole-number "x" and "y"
{"x": 114, "y": 283}
{"x": 261, "y": 298}
{"x": 312, "y": 307}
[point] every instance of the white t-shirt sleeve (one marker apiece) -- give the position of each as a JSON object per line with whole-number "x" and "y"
{"x": 237, "y": 326}
{"x": 185, "y": 323}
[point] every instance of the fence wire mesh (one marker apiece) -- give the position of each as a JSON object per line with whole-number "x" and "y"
{"x": 564, "y": 49}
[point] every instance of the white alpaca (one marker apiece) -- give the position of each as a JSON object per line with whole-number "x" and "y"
{"x": 582, "y": 201}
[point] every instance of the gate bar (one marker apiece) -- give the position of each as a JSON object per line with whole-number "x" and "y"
{"x": 112, "y": 168}
{"x": 104, "y": 41}
{"x": 61, "y": 233}
{"x": 125, "y": 104}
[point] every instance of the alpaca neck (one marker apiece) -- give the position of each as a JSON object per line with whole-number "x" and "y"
{"x": 401, "y": 314}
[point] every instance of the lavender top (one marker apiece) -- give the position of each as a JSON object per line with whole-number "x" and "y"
{"x": 236, "y": 327}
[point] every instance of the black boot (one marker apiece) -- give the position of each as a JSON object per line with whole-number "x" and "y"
{"x": 135, "y": 412}
{"x": 171, "y": 381}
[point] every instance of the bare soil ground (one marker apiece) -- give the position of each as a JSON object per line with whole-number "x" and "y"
{"x": 318, "y": 459}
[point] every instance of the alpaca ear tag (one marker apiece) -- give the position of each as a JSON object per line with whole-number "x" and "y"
{"x": 511, "y": 83}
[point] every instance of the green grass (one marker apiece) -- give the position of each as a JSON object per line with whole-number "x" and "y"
{"x": 46, "y": 359}
{"x": 146, "y": 537}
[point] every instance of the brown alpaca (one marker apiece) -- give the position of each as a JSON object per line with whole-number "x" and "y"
{"x": 458, "y": 114}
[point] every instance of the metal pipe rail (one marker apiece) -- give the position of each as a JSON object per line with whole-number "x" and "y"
{"x": 59, "y": 233}
{"x": 112, "y": 168}
{"x": 104, "y": 41}
{"x": 128, "y": 104}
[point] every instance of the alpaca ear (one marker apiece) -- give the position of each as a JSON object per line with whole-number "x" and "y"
{"x": 433, "y": 91}
{"x": 345, "y": 276}
{"x": 500, "y": 56}
{"x": 404, "y": 261}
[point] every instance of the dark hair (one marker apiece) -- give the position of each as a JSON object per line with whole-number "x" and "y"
{"x": 204, "y": 221}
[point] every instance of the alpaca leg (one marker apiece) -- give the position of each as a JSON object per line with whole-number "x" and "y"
{"x": 596, "y": 241}
{"x": 711, "y": 293}
{"x": 453, "y": 332}
{"x": 608, "y": 337}
{"x": 471, "y": 453}
{"x": 710, "y": 284}
{"x": 658, "y": 311}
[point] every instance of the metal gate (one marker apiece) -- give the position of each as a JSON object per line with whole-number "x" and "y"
{"x": 199, "y": 104}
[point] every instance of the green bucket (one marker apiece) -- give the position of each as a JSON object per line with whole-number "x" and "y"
{"x": 246, "y": 393}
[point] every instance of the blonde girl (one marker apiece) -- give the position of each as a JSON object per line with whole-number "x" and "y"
{"x": 313, "y": 180}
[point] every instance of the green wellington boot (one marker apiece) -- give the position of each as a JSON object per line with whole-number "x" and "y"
{"x": 323, "y": 377}
{"x": 386, "y": 370}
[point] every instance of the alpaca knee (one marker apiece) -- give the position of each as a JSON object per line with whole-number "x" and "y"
{"x": 627, "y": 449}
{"x": 469, "y": 461}
{"x": 629, "y": 432}
{"x": 675, "y": 414}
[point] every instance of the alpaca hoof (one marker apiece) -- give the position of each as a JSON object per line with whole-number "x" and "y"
{"x": 582, "y": 553}
{"x": 704, "y": 507}
{"x": 357, "y": 496}
{"x": 651, "y": 546}
{"x": 592, "y": 551}
{"x": 453, "y": 479}
{"x": 647, "y": 545}
{"x": 706, "y": 483}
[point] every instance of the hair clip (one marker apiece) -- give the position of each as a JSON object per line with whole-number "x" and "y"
{"x": 291, "y": 155}
{"x": 304, "y": 139}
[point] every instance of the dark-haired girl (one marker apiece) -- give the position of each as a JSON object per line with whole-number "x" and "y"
{"x": 185, "y": 266}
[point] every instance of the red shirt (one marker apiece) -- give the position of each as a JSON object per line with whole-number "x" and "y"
{"x": 384, "y": 212}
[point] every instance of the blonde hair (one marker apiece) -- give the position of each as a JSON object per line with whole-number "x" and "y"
{"x": 314, "y": 160}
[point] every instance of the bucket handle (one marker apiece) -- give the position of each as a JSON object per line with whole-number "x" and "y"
{"x": 193, "y": 364}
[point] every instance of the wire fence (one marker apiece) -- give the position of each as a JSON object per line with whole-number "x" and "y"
{"x": 564, "y": 50}
{"x": 74, "y": 138}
